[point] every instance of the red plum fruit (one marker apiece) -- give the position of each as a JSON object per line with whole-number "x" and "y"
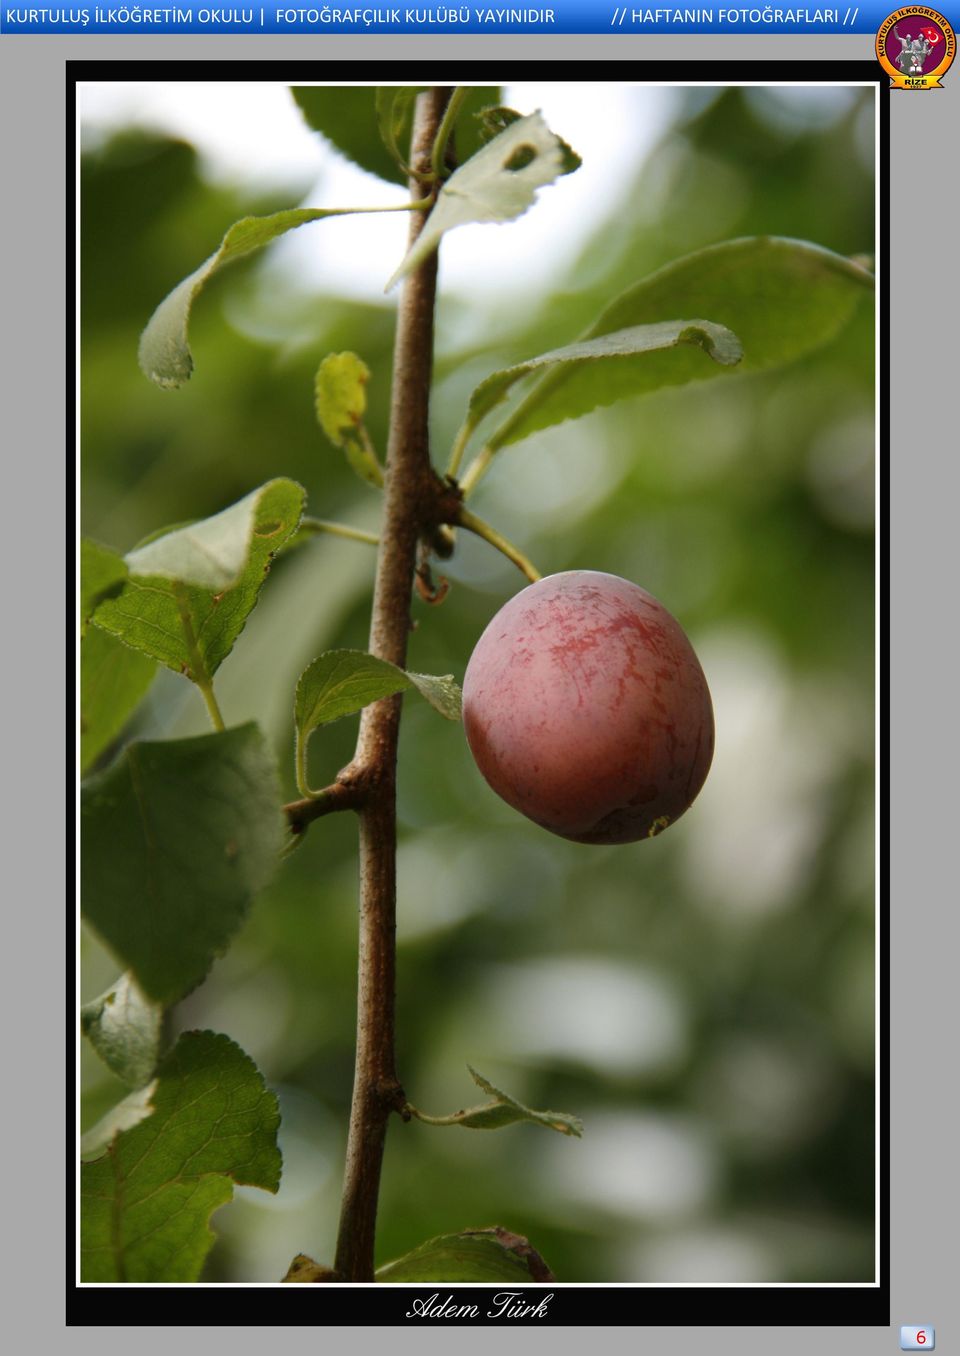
{"x": 587, "y": 710}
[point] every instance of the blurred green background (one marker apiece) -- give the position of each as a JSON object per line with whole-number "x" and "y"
{"x": 704, "y": 1001}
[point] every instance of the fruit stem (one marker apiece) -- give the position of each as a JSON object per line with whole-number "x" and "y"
{"x": 490, "y": 534}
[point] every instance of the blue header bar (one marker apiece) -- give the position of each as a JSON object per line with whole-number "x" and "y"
{"x": 550, "y": 16}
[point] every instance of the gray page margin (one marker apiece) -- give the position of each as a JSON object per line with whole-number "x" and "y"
{"x": 32, "y": 117}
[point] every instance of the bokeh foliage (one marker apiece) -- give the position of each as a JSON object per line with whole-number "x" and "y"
{"x": 704, "y": 1002}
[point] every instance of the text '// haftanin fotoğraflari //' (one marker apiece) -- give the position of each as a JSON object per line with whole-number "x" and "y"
{"x": 507, "y": 1304}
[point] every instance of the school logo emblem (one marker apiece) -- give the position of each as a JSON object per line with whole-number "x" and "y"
{"x": 916, "y": 46}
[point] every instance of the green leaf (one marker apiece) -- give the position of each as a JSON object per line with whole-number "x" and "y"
{"x": 340, "y": 397}
{"x": 113, "y": 681}
{"x": 102, "y": 572}
{"x": 781, "y": 298}
{"x": 340, "y": 394}
{"x": 348, "y": 118}
{"x": 128, "y": 1112}
{"x": 340, "y": 682}
{"x": 474, "y": 1255}
{"x": 605, "y": 357}
{"x": 362, "y": 460}
{"x": 493, "y": 121}
{"x": 394, "y": 105}
{"x": 443, "y": 693}
{"x": 124, "y": 1027}
{"x": 468, "y": 132}
{"x": 190, "y": 628}
{"x": 178, "y": 838}
{"x": 374, "y": 132}
{"x": 499, "y": 183}
{"x": 395, "y": 116}
{"x": 164, "y": 353}
{"x": 145, "y": 1206}
{"x": 213, "y": 553}
{"x": 503, "y": 1110}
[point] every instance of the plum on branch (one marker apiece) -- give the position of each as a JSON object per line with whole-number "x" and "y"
{"x": 586, "y": 709}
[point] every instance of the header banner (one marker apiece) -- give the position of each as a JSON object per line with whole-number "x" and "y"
{"x": 553, "y": 16}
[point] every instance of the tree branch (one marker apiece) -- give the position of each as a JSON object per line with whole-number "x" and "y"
{"x": 409, "y": 481}
{"x": 338, "y": 796}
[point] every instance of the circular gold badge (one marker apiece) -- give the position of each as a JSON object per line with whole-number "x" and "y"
{"x": 916, "y": 46}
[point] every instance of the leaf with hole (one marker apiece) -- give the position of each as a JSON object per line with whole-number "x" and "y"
{"x": 213, "y": 553}
{"x": 495, "y": 120}
{"x": 781, "y": 298}
{"x": 145, "y": 1205}
{"x": 164, "y": 352}
{"x": 178, "y": 838}
{"x": 124, "y": 1027}
{"x": 478, "y": 1255}
{"x": 499, "y": 183}
{"x": 192, "y": 627}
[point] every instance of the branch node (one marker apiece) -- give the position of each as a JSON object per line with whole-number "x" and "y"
{"x": 392, "y": 1096}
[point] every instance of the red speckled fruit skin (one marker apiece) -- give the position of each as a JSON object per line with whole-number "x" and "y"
{"x": 587, "y": 710}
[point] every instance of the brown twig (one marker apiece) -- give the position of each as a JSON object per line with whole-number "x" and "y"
{"x": 409, "y": 482}
{"x": 338, "y": 796}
